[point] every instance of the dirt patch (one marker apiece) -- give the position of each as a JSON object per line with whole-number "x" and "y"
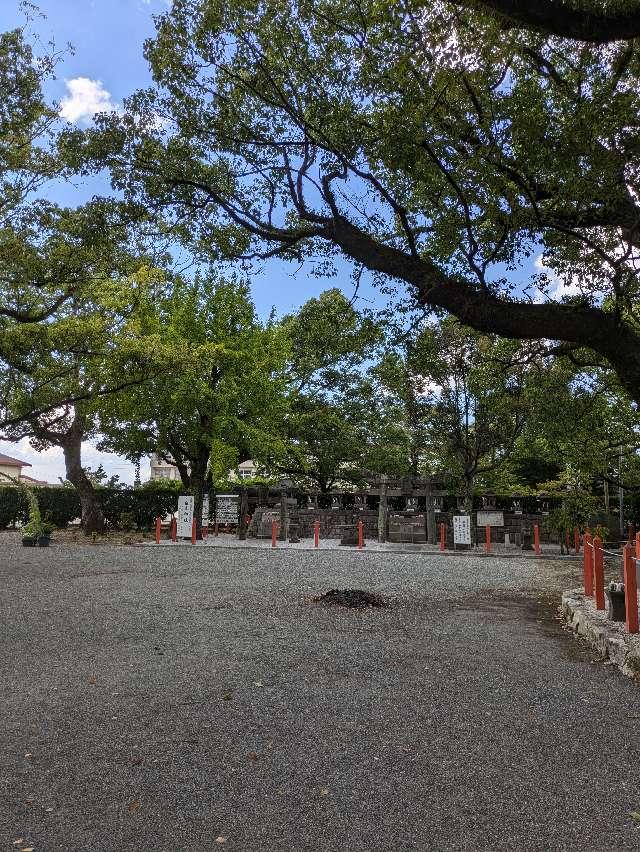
{"x": 351, "y": 598}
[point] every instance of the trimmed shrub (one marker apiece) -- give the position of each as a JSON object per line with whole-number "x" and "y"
{"x": 139, "y": 507}
{"x": 59, "y": 504}
{"x": 13, "y": 506}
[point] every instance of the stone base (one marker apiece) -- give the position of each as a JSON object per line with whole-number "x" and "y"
{"x": 609, "y": 638}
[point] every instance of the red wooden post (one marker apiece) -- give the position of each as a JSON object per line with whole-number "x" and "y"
{"x": 158, "y": 530}
{"x": 598, "y": 572}
{"x": 316, "y": 534}
{"x": 174, "y": 529}
{"x": 442, "y": 537}
{"x": 576, "y": 540}
{"x": 487, "y": 539}
{"x": 630, "y": 589}
{"x": 588, "y": 565}
{"x": 536, "y": 539}
{"x": 360, "y": 535}
{"x": 274, "y": 534}
{"x": 193, "y": 531}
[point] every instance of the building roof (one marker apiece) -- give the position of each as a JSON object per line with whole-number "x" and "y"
{"x": 9, "y": 461}
{"x": 31, "y": 481}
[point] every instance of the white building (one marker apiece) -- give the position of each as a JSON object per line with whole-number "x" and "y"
{"x": 161, "y": 469}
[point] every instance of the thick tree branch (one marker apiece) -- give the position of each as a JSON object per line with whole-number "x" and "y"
{"x": 558, "y": 18}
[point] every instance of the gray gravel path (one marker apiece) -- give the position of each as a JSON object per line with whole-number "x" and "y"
{"x": 176, "y": 699}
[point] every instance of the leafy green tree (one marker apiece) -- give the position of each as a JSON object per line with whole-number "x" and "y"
{"x": 221, "y": 388}
{"x": 462, "y": 402}
{"x": 440, "y": 146}
{"x": 58, "y": 370}
{"x": 329, "y": 425}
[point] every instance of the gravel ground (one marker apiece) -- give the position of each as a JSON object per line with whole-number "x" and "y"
{"x": 176, "y": 699}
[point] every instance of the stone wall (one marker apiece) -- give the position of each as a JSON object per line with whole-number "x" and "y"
{"x": 332, "y": 519}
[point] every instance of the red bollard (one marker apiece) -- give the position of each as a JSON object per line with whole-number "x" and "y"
{"x": 598, "y": 572}
{"x": 588, "y": 566}
{"x": 630, "y": 589}
{"x": 536, "y": 539}
{"x": 193, "y": 531}
{"x": 442, "y": 537}
{"x": 360, "y": 535}
{"x": 487, "y": 539}
{"x": 158, "y": 530}
{"x": 576, "y": 540}
{"x": 173, "y": 529}
{"x": 274, "y": 534}
{"x": 316, "y": 534}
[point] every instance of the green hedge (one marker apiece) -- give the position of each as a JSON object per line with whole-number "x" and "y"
{"x": 128, "y": 507}
{"x": 139, "y": 507}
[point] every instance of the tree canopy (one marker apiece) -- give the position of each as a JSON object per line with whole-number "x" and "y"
{"x": 441, "y": 146}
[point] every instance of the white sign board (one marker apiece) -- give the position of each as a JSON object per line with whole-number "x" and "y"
{"x": 227, "y": 508}
{"x": 490, "y": 519}
{"x": 461, "y": 529}
{"x": 185, "y": 516}
{"x": 205, "y": 510}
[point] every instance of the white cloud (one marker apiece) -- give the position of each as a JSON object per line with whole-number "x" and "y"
{"x": 86, "y": 97}
{"x": 558, "y": 288}
{"x": 49, "y": 464}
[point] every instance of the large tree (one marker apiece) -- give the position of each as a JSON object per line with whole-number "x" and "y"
{"x": 464, "y": 400}
{"x": 219, "y": 386}
{"x": 53, "y": 374}
{"x": 440, "y": 145}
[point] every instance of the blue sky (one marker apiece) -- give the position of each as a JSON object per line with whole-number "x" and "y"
{"x": 105, "y": 66}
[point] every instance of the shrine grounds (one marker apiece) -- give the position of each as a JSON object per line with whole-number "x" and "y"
{"x": 197, "y": 698}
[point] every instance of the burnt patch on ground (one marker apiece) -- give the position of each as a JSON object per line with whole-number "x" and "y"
{"x": 351, "y": 598}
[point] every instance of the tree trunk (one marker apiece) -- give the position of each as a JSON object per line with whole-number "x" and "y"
{"x": 91, "y": 511}
{"x": 467, "y": 495}
{"x": 198, "y": 481}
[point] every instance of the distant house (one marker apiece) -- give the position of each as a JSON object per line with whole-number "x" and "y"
{"x": 160, "y": 469}
{"x": 13, "y": 468}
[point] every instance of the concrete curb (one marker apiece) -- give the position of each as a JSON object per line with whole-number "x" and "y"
{"x": 609, "y": 638}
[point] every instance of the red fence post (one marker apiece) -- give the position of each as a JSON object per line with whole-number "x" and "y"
{"x": 588, "y": 565}
{"x": 536, "y": 539}
{"x": 193, "y": 531}
{"x": 630, "y": 589}
{"x": 576, "y": 540}
{"x": 598, "y": 572}
{"x": 487, "y": 539}
{"x": 274, "y": 534}
{"x": 316, "y": 534}
{"x": 158, "y": 530}
{"x": 174, "y": 529}
{"x": 360, "y": 535}
{"x": 442, "y": 537}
